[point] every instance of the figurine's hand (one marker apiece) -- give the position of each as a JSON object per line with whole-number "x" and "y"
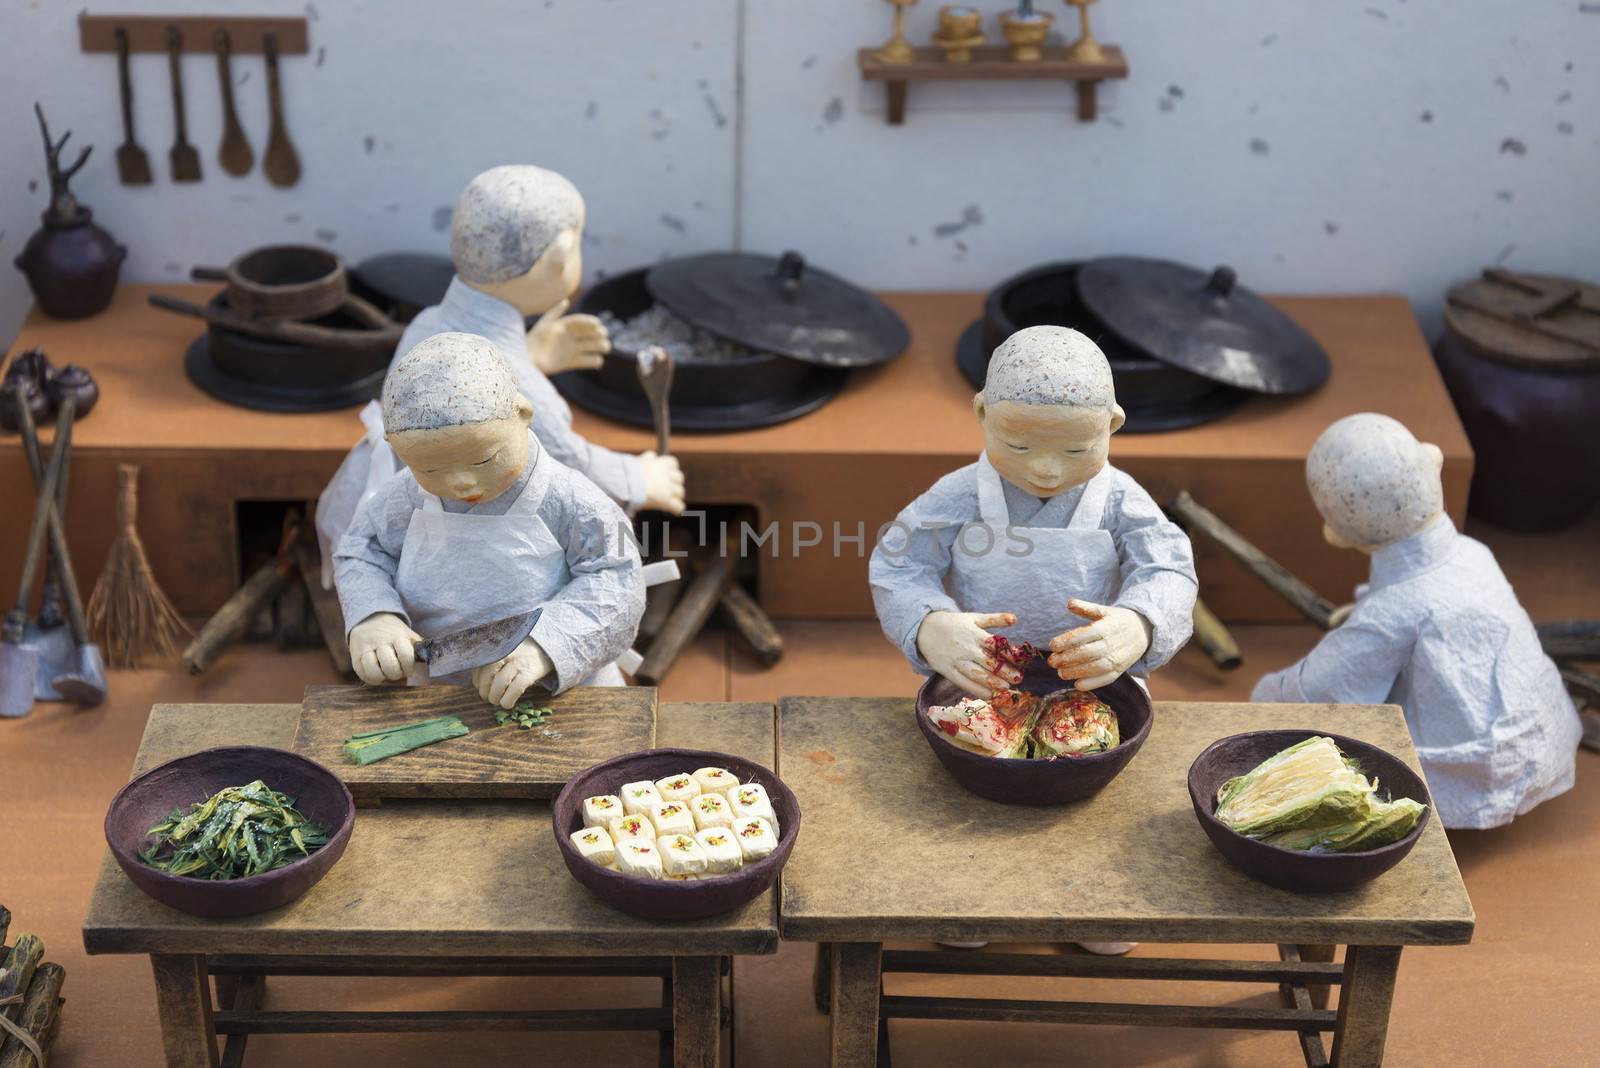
{"x": 383, "y": 648}
{"x": 1097, "y": 653}
{"x": 955, "y": 645}
{"x": 560, "y": 342}
{"x": 505, "y": 681}
{"x": 1340, "y": 614}
{"x": 663, "y": 482}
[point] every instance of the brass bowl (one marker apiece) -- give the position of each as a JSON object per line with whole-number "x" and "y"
{"x": 1026, "y": 36}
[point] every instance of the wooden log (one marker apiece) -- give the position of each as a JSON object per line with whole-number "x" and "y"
{"x": 5, "y": 924}
{"x": 1582, "y": 685}
{"x": 658, "y": 604}
{"x": 40, "y": 1010}
{"x": 20, "y": 964}
{"x": 291, "y": 609}
{"x": 1197, "y": 519}
{"x": 237, "y": 613}
{"x": 1573, "y": 639}
{"x": 690, "y": 614}
{"x": 740, "y": 611}
{"x": 1215, "y": 638}
{"x": 325, "y": 605}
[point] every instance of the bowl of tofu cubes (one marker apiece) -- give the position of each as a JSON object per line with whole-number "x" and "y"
{"x": 676, "y": 834}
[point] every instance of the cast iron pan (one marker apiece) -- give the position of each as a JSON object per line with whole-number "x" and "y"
{"x": 665, "y": 899}
{"x": 707, "y": 395}
{"x": 1293, "y": 869}
{"x": 147, "y": 800}
{"x": 1143, "y": 418}
{"x": 1039, "y": 782}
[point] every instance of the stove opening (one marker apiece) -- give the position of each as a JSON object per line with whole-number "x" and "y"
{"x": 266, "y": 529}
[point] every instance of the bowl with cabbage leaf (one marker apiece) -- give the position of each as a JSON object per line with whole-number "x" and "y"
{"x": 1042, "y": 743}
{"x": 1307, "y": 811}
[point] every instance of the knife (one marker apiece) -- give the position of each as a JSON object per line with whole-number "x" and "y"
{"x": 474, "y": 647}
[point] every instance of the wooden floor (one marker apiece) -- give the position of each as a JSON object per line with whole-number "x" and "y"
{"x": 1526, "y": 991}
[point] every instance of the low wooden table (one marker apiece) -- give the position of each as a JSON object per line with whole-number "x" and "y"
{"x": 429, "y": 888}
{"x": 895, "y": 850}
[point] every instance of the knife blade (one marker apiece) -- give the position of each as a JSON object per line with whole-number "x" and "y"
{"x": 474, "y": 647}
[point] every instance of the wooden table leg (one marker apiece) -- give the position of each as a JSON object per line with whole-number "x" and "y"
{"x": 696, "y": 1011}
{"x": 856, "y": 982}
{"x": 822, "y": 976}
{"x": 1318, "y": 955}
{"x": 1364, "y": 1000}
{"x": 183, "y": 1004}
{"x": 897, "y": 102}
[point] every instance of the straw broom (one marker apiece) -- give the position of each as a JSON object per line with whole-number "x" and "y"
{"x": 128, "y": 613}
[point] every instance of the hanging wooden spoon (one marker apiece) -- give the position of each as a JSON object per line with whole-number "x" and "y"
{"x": 185, "y": 160}
{"x": 281, "y": 163}
{"x": 235, "y": 155}
{"x": 133, "y": 166}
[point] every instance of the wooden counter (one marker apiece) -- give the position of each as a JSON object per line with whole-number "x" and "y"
{"x": 855, "y": 462}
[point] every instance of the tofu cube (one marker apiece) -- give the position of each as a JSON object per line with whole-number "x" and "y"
{"x": 594, "y": 843}
{"x": 681, "y": 855}
{"x": 721, "y": 848}
{"x": 672, "y": 817}
{"x": 756, "y": 837}
{"x": 624, "y": 827}
{"x": 639, "y": 858}
{"x": 711, "y": 810}
{"x": 679, "y": 787}
{"x": 638, "y": 797}
{"x": 751, "y": 800}
{"x": 715, "y": 780}
{"x": 600, "y": 811}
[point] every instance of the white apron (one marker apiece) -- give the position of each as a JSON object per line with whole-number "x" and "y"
{"x": 358, "y": 478}
{"x": 1077, "y": 560}
{"x": 459, "y": 569}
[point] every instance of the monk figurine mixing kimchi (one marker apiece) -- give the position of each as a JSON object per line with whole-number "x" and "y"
{"x": 1041, "y": 541}
{"x": 1437, "y": 630}
{"x": 482, "y": 523}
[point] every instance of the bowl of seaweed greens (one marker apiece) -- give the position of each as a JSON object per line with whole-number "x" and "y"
{"x": 230, "y": 831}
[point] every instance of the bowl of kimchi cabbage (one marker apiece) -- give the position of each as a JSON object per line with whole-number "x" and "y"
{"x": 1042, "y": 743}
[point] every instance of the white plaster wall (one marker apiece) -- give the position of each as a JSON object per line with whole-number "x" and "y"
{"x": 1376, "y": 144}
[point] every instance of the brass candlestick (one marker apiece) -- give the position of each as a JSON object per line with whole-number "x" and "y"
{"x": 897, "y": 49}
{"x": 1085, "y": 49}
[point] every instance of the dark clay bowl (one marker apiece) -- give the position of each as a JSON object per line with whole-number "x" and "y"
{"x": 652, "y": 899}
{"x": 147, "y": 800}
{"x": 1292, "y": 869}
{"x": 1039, "y": 782}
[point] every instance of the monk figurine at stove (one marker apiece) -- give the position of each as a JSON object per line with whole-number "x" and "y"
{"x": 516, "y": 238}
{"x": 1436, "y": 630}
{"x": 483, "y": 523}
{"x": 1040, "y": 541}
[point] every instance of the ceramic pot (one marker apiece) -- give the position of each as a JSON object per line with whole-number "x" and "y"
{"x": 71, "y": 266}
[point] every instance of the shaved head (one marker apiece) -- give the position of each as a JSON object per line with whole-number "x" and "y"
{"x": 1372, "y": 480}
{"x": 1050, "y": 365}
{"x": 506, "y": 220}
{"x": 448, "y": 380}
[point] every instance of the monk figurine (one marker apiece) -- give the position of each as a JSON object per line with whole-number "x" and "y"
{"x": 482, "y": 523}
{"x": 1436, "y": 630}
{"x": 516, "y": 239}
{"x": 1040, "y": 541}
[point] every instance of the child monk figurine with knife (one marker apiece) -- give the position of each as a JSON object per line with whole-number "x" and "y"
{"x": 1040, "y": 541}
{"x": 482, "y": 524}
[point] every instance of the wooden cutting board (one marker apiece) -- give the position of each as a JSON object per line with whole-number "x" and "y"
{"x": 589, "y": 724}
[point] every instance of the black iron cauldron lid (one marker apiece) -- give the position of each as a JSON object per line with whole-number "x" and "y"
{"x": 1207, "y": 324}
{"x": 781, "y": 305}
{"x": 408, "y": 280}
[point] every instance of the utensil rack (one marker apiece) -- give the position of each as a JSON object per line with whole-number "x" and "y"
{"x": 148, "y": 33}
{"x": 991, "y": 63}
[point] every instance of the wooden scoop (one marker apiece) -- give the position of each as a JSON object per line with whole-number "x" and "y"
{"x": 185, "y": 160}
{"x": 281, "y": 164}
{"x": 133, "y": 166}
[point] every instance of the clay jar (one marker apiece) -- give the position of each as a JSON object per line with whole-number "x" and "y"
{"x": 71, "y": 266}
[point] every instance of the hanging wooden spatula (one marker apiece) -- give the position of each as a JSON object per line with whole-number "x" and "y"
{"x": 185, "y": 160}
{"x": 281, "y": 164}
{"x": 133, "y": 166}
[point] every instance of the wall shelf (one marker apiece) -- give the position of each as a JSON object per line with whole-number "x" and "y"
{"x": 990, "y": 63}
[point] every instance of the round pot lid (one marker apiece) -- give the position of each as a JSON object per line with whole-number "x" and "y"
{"x": 1202, "y": 323}
{"x": 781, "y": 305}
{"x": 1538, "y": 322}
{"x": 406, "y": 280}
{"x": 819, "y": 387}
